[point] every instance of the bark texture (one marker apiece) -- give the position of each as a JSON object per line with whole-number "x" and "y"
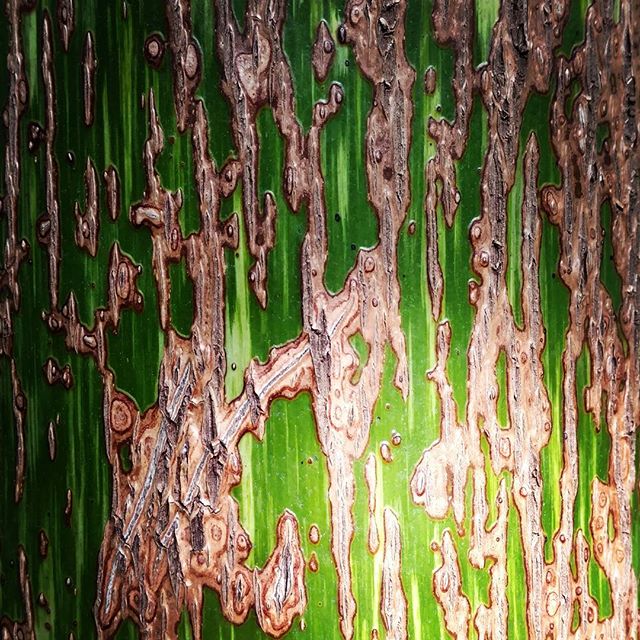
{"x": 496, "y": 459}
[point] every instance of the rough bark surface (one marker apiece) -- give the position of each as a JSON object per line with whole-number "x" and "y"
{"x": 174, "y": 528}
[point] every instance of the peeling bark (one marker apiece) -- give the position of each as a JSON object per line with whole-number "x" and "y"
{"x": 174, "y": 526}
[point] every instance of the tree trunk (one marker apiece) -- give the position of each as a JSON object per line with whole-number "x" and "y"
{"x": 397, "y": 242}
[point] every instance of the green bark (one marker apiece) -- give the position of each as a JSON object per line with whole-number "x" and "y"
{"x": 287, "y": 469}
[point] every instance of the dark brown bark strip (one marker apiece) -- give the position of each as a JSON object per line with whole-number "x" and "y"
{"x": 15, "y": 250}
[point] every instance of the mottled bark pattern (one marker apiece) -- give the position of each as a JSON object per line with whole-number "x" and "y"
{"x": 13, "y": 629}
{"x": 174, "y": 528}
{"x": 521, "y": 60}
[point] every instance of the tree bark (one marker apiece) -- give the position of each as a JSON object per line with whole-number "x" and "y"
{"x": 396, "y": 242}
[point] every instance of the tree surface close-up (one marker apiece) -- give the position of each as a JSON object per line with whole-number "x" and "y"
{"x": 320, "y": 319}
